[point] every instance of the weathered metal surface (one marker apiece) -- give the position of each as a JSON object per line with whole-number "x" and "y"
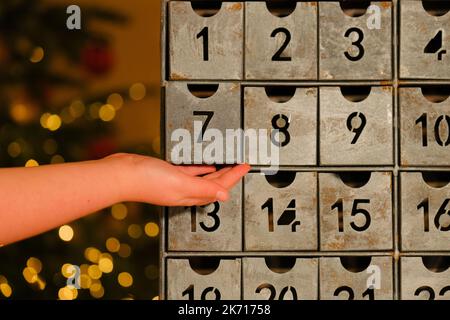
{"x": 216, "y": 227}
{"x": 356, "y": 133}
{"x": 424, "y": 130}
{"x": 263, "y": 39}
{"x": 419, "y": 282}
{"x": 298, "y": 136}
{"x": 425, "y": 223}
{"x": 424, "y": 40}
{"x": 340, "y": 283}
{"x": 355, "y": 218}
{"x": 223, "y": 283}
{"x": 298, "y": 283}
{"x": 180, "y": 107}
{"x": 225, "y": 36}
{"x": 294, "y": 213}
{"x": 371, "y": 48}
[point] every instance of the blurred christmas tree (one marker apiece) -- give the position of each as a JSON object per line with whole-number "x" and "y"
{"x": 48, "y": 114}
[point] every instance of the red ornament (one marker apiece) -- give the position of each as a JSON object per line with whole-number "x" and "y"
{"x": 97, "y": 58}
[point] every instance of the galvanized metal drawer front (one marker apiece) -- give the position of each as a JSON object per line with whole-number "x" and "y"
{"x": 425, "y": 278}
{"x": 361, "y": 278}
{"x": 198, "y": 116}
{"x": 356, "y": 133}
{"x": 424, "y": 129}
{"x": 355, "y": 217}
{"x": 355, "y": 48}
{"x": 281, "y": 47}
{"x": 424, "y": 42}
{"x": 215, "y": 227}
{"x": 282, "y": 218}
{"x": 300, "y": 282}
{"x": 425, "y": 221}
{"x": 206, "y": 48}
{"x": 295, "y": 119}
{"x": 184, "y": 283}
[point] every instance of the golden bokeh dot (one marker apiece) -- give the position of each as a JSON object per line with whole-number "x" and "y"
{"x": 14, "y": 149}
{"x": 105, "y": 265}
{"x": 137, "y": 91}
{"x": 30, "y": 275}
{"x": 21, "y": 113}
{"x": 37, "y": 55}
{"x": 107, "y": 112}
{"x": 43, "y": 119}
{"x": 66, "y": 233}
{"x": 151, "y": 229}
{"x": 92, "y": 254}
{"x": 125, "y": 279}
{"x": 115, "y": 100}
{"x": 94, "y": 272}
{"x": 53, "y": 122}
{"x": 3, "y": 279}
{"x": 67, "y": 270}
{"x": 84, "y": 268}
{"x": 67, "y": 293}
{"x": 31, "y": 163}
{"x": 125, "y": 250}
{"x": 119, "y": 211}
{"x": 35, "y": 264}
{"x": 57, "y": 159}
{"x": 85, "y": 281}
{"x": 113, "y": 245}
{"x": 155, "y": 298}
{"x": 96, "y": 290}
{"x": 77, "y": 108}
{"x": 6, "y": 290}
{"x": 135, "y": 231}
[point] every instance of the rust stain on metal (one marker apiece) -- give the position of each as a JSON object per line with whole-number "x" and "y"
{"x": 235, "y": 7}
{"x": 386, "y": 5}
{"x": 177, "y": 76}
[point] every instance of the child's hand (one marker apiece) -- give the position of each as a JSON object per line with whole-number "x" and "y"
{"x": 155, "y": 181}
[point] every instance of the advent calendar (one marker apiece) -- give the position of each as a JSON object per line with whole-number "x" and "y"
{"x": 353, "y": 98}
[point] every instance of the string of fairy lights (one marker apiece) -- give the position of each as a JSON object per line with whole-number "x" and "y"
{"x": 98, "y": 262}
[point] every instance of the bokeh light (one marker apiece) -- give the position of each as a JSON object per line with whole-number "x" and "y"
{"x": 125, "y": 279}
{"x": 138, "y": 91}
{"x": 31, "y": 163}
{"x": 151, "y": 229}
{"x": 107, "y": 112}
{"x": 119, "y": 211}
{"x": 66, "y": 233}
{"x": 37, "y": 55}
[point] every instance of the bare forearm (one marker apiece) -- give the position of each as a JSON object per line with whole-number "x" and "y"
{"x": 34, "y": 200}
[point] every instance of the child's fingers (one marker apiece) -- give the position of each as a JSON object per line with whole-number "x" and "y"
{"x": 217, "y": 174}
{"x": 196, "y": 170}
{"x": 203, "y": 189}
{"x": 231, "y": 177}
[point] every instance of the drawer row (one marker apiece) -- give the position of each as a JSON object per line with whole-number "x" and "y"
{"x": 291, "y": 278}
{"x": 291, "y": 40}
{"x": 309, "y": 211}
{"x": 349, "y": 125}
